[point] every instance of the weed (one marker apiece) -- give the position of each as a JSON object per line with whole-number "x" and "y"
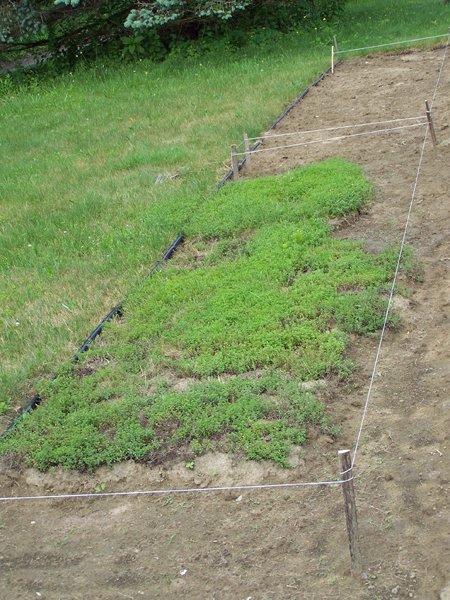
{"x": 167, "y": 501}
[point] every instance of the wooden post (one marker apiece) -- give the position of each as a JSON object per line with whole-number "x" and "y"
{"x": 234, "y": 163}
{"x": 335, "y": 44}
{"x": 430, "y": 123}
{"x": 247, "y": 150}
{"x": 332, "y": 59}
{"x": 350, "y": 510}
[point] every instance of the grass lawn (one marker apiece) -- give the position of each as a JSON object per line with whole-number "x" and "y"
{"x": 81, "y": 217}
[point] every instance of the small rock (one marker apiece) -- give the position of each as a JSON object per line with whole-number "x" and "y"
{"x": 388, "y": 477}
{"x": 230, "y": 495}
{"x": 295, "y": 461}
{"x": 312, "y": 384}
{"x": 183, "y": 572}
{"x": 395, "y": 590}
{"x": 328, "y": 439}
{"x": 445, "y": 593}
{"x": 412, "y": 575}
{"x": 239, "y": 499}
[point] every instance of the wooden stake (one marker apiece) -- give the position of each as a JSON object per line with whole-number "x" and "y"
{"x": 335, "y": 44}
{"x": 247, "y": 150}
{"x": 234, "y": 163}
{"x": 430, "y": 123}
{"x": 332, "y": 59}
{"x": 350, "y": 510}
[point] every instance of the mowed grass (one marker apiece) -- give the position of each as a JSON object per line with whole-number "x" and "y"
{"x": 81, "y": 218}
{"x": 212, "y": 350}
{"x": 372, "y": 22}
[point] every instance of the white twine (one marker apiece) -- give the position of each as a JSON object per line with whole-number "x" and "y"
{"x": 273, "y": 135}
{"x": 431, "y": 37}
{"x": 268, "y": 486}
{"x": 397, "y": 268}
{"x": 334, "y": 139}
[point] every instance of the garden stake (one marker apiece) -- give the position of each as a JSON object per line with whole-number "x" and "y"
{"x": 234, "y": 163}
{"x": 430, "y": 123}
{"x": 332, "y": 59}
{"x": 350, "y": 510}
{"x": 247, "y": 150}
{"x": 335, "y": 44}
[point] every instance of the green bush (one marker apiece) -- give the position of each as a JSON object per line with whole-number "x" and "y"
{"x": 75, "y": 29}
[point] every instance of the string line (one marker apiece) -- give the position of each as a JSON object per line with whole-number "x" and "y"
{"x": 356, "y": 448}
{"x": 178, "y": 490}
{"x": 397, "y": 268}
{"x": 334, "y": 139}
{"x": 273, "y": 135}
{"x": 431, "y": 37}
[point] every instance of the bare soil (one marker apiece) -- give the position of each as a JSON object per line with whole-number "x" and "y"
{"x": 291, "y": 544}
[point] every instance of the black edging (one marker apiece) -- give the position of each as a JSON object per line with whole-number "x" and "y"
{"x": 117, "y": 310}
{"x": 299, "y": 98}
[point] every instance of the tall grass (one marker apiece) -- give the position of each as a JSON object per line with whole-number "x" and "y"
{"x": 81, "y": 217}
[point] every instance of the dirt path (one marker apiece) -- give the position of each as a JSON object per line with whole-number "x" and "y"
{"x": 292, "y": 544}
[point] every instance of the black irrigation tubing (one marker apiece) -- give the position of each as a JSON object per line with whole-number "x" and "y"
{"x": 117, "y": 310}
{"x": 298, "y": 99}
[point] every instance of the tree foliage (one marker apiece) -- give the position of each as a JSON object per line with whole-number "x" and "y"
{"x": 60, "y": 26}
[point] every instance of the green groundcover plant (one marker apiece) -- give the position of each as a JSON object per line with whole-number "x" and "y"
{"x": 212, "y": 350}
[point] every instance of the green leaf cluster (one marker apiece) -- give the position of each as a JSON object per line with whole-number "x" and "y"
{"x": 74, "y": 29}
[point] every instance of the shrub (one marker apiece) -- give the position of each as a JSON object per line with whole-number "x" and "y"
{"x": 71, "y": 29}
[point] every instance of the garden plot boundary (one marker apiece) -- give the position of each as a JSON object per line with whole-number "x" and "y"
{"x": 348, "y": 472}
{"x": 347, "y": 481}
